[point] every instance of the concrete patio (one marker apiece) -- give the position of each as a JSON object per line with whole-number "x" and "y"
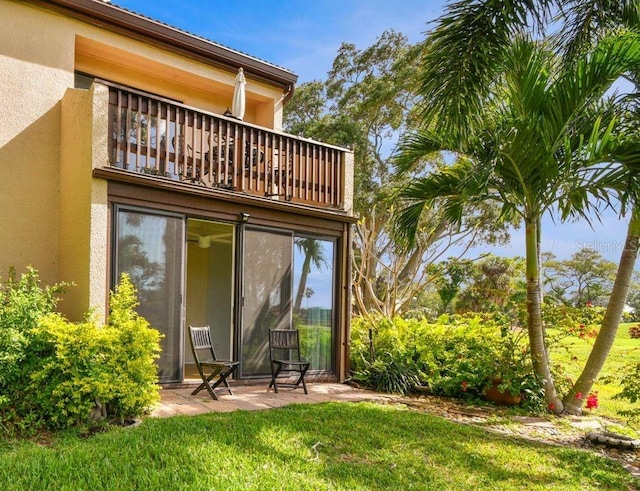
{"x": 252, "y": 398}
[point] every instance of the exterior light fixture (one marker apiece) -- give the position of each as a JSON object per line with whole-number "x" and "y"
{"x": 244, "y": 217}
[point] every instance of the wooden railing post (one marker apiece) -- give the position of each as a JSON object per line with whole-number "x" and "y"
{"x": 162, "y": 138}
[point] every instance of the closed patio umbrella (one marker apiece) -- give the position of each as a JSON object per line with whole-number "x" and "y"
{"x": 238, "y": 103}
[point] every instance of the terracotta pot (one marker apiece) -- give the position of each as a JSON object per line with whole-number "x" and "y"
{"x": 493, "y": 394}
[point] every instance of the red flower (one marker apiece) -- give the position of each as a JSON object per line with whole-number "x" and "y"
{"x": 592, "y": 400}
{"x": 464, "y": 384}
{"x": 579, "y": 395}
{"x": 552, "y": 406}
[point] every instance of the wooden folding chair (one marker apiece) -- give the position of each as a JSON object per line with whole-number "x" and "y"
{"x": 209, "y": 367}
{"x": 284, "y": 354}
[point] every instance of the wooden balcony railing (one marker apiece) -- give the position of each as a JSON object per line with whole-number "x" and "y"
{"x": 159, "y": 137}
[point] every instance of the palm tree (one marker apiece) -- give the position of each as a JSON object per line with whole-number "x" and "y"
{"x": 531, "y": 134}
{"x": 586, "y": 23}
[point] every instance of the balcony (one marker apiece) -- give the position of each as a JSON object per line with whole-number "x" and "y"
{"x": 159, "y": 137}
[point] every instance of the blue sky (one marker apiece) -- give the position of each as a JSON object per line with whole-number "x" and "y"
{"x": 300, "y": 35}
{"x": 304, "y": 36}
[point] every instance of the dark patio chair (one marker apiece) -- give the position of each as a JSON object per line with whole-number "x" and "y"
{"x": 209, "y": 367}
{"x": 284, "y": 354}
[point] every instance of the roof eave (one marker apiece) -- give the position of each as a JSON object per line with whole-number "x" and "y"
{"x": 109, "y": 16}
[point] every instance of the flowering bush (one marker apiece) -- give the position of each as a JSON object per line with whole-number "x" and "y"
{"x": 592, "y": 401}
{"x": 582, "y": 322}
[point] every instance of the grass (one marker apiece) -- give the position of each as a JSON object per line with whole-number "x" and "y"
{"x": 329, "y": 446}
{"x": 624, "y": 351}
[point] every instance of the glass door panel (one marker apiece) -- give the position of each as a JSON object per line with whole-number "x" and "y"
{"x": 267, "y": 259}
{"x": 313, "y": 314}
{"x": 150, "y": 248}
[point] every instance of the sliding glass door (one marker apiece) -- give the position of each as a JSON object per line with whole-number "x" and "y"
{"x": 288, "y": 282}
{"x": 149, "y": 247}
{"x": 266, "y": 293}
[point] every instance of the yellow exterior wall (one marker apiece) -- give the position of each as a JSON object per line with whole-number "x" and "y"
{"x": 75, "y": 198}
{"x": 347, "y": 179}
{"x": 83, "y": 233}
{"x": 36, "y": 68}
{"x": 55, "y": 214}
{"x": 174, "y": 77}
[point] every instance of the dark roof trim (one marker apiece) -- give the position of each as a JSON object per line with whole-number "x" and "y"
{"x": 110, "y": 16}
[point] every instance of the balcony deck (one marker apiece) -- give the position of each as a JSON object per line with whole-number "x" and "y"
{"x": 159, "y": 137}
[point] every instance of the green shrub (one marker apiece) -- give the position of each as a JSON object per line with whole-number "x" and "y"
{"x": 111, "y": 365}
{"x": 55, "y": 373}
{"x": 388, "y": 375}
{"x": 456, "y": 356}
{"x": 22, "y": 302}
{"x": 581, "y": 322}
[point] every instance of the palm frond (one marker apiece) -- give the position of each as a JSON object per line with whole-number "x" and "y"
{"x": 415, "y": 147}
{"x": 587, "y": 22}
{"x": 463, "y": 56}
{"x": 451, "y": 188}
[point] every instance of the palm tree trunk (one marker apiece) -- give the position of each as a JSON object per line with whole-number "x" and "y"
{"x": 607, "y": 335}
{"x": 302, "y": 285}
{"x": 539, "y": 357}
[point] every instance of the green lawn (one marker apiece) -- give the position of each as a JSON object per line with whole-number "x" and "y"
{"x": 624, "y": 351}
{"x": 354, "y": 446}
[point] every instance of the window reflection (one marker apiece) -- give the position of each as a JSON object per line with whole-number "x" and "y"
{"x": 313, "y": 299}
{"x": 267, "y": 296}
{"x": 149, "y": 249}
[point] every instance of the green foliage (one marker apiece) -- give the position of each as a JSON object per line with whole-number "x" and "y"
{"x": 22, "y": 302}
{"x": 630, "y": 383}
{"x": 366, "y": 104}
{"x": 456, "y": 356}
{"x": 585, "y": 278}
{"x": 582, "y": 322}
{"x": 57, "y": 373}
{"x": 385, "y": 374}
{"x": 494, "y": 284}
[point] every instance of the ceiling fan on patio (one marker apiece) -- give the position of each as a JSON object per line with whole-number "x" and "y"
{"x": 204, "y": 241}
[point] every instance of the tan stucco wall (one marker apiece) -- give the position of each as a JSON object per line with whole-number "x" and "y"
{"x": 75, "y": 195}
{"x": 83, "y": 233}
{"x": 55, "y": 214}
{"x": 36, "y": 68}
{"x": 348, "y": 182}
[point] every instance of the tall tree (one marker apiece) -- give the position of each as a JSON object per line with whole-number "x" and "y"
{"x": 528, "y": 132}
{"x": 367, "y": 103}
{"x": 494, "y": 285}
{"x": 586, "y": 24}
{"x": 478, "y": 33}
{"x": 586, "y": 277}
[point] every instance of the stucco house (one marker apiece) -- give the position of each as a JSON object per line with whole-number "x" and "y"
{"x": 118, "y": 154}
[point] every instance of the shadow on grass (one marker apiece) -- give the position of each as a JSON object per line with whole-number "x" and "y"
{"x": 324, "y": 446}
